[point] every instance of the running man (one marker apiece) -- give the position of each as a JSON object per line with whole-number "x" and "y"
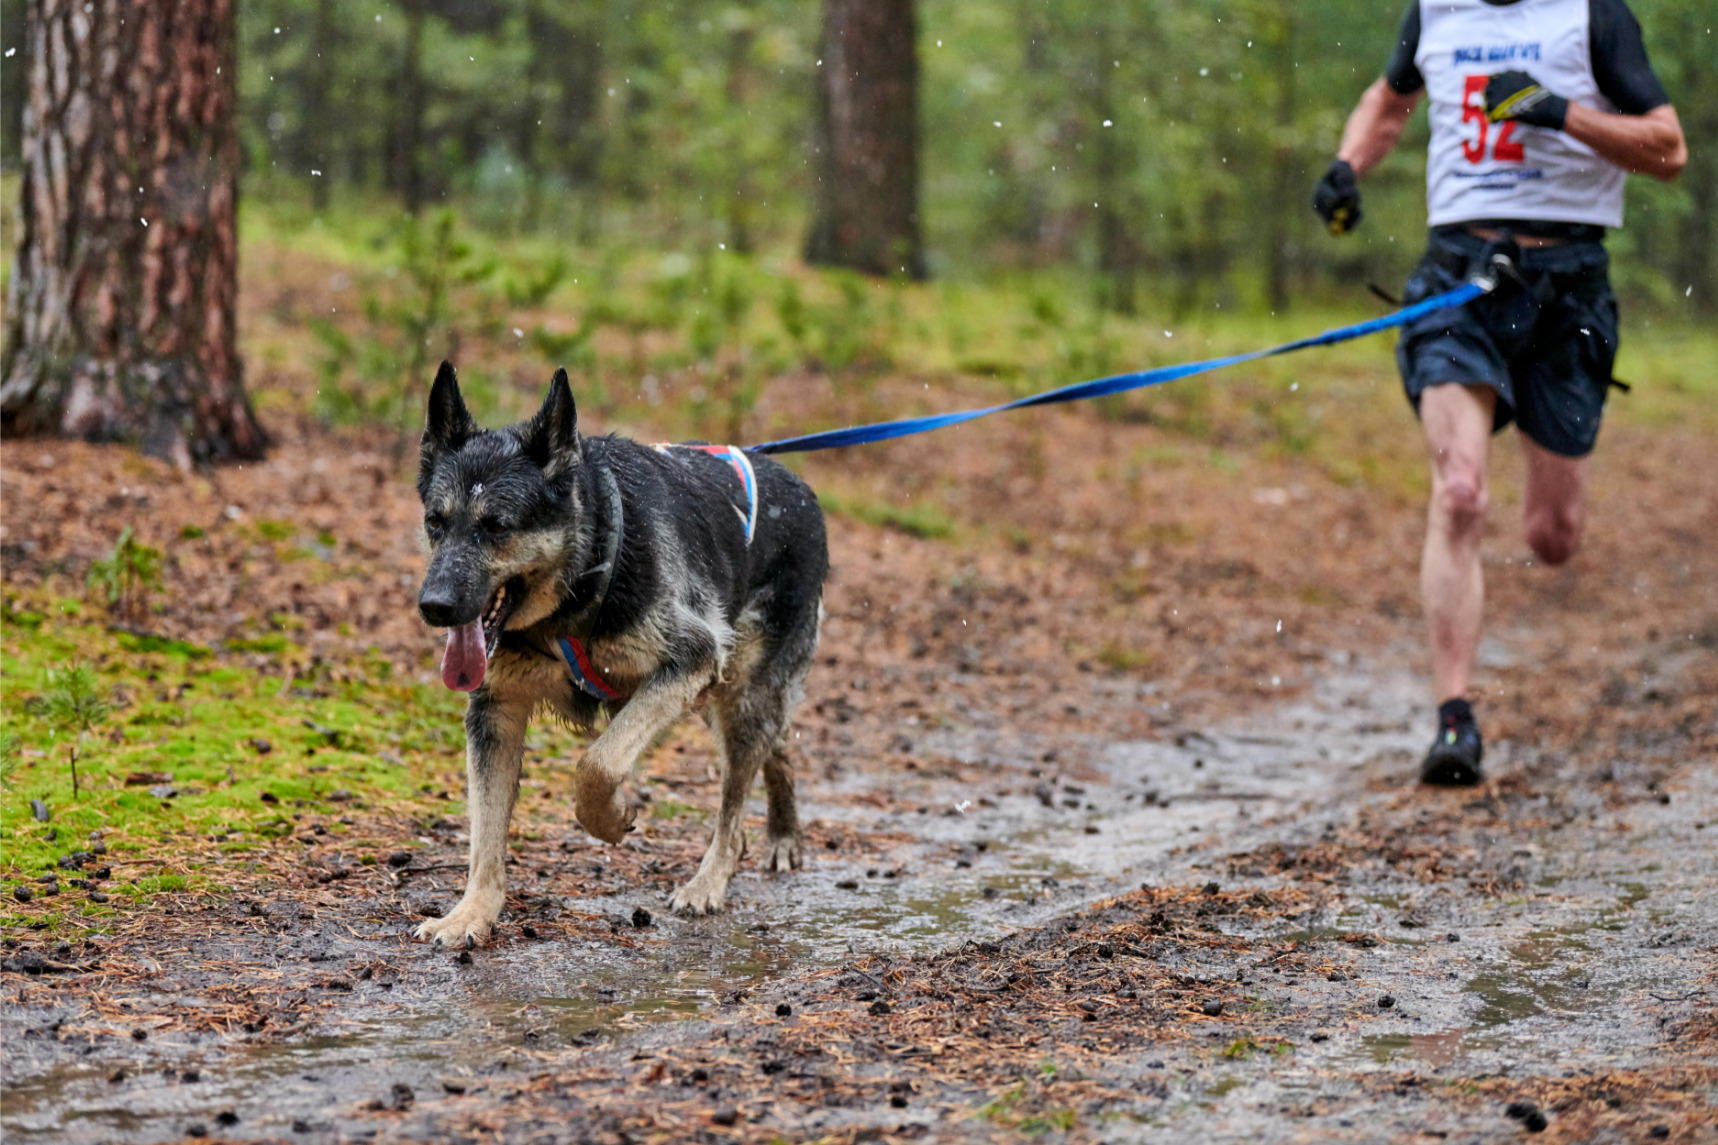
{"x": 1539, "y": 109}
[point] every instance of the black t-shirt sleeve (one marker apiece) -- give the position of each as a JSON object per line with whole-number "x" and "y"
{"x": 1401, "y": 73}
{"x": 1619, "y": 58}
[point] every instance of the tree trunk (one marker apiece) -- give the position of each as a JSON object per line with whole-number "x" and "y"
{"x": 316, "y": 157}
{"x": 1286, "y": 176}
{"x": 409, "y": 127}
{"x": 867, "y": 139}
{"x": 743, "y": 190}
{"x": 121, "y": 307}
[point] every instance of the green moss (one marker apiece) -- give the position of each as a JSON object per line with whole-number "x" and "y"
{"x": 198, "y": 747}
{"x": 921, "y": 520}
{"x": 276, "y": 530}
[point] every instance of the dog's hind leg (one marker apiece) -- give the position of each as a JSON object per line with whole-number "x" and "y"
{"x": 495, "y": 739}
{"x": 782, "y": 853}
{"x": 749, "y": 722}
{"x": 743, "y": 752}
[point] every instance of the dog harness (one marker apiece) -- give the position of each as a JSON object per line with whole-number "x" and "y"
{"x": 573, "y": 651}
{"x": 572, "y": 648}
{"x": 742, "y": 466}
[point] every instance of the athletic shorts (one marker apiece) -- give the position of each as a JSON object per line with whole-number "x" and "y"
{"x": 1546, "y": 343}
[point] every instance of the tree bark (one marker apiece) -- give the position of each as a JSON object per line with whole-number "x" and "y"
{"x": 1287, "y": 177}
{"x": 316, "y": 157}
{"x": 867, "y": 139}
{"x": 122, "y": 303}
{"x": 409, "y": 127}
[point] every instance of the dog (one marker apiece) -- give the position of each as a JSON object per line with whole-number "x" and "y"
{"x": 593, "y": 576}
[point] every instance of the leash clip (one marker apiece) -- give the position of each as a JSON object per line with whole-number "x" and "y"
{"x": 1498, "y": 267}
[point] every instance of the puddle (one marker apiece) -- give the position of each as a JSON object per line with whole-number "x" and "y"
{"x": 1439, "y": 1049}
{"x": 1136, "y": 802}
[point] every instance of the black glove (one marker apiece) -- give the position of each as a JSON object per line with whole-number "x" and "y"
{"x": 1337, "y": 197}
{"x": 1517, "y": 95}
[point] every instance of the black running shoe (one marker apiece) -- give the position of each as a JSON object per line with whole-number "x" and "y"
{"x": 1455, "y": 755}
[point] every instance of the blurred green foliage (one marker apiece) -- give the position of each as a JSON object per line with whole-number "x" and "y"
{"x": 126, "y": 575}
{"x": 680, "y": 126}
{"x": 1165, "y": 149}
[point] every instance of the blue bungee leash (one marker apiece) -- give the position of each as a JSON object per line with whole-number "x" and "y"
{"x": 1482, "y": 283}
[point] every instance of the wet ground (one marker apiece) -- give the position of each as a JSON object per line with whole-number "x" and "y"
{"x": 1322, "y": 951}
{"x": 1112, "y": 830}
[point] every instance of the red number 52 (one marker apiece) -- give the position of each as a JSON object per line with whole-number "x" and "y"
{"x": 1505, "y": 149}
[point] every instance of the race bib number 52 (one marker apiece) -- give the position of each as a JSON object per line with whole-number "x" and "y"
{"x": 1504, "y": 148}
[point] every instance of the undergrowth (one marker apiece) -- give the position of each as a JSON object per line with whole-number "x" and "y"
{"x": 689, "y": 343}
{"x": 183, "y": 745}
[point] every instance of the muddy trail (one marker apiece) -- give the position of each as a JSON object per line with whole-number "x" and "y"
{"x": 1258, "y": 929}
{"x": 1112, "y": 822}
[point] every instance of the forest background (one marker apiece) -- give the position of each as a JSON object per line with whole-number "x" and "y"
{"x": 1171, "y": 148}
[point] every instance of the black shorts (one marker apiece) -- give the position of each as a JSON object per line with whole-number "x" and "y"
{"x": 1546, "y": 344}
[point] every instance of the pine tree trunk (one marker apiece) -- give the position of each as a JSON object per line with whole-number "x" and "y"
{"x": 316, "y": 157}
{"x": 409, "y": 127}
{"x": 867, "y": 139}
{"x": 121, "y": 308}
{"x": 1287, "y": 175}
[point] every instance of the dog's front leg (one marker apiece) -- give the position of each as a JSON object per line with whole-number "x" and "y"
{"x": 601, "y": 805}
{"x": 494, "y": 746}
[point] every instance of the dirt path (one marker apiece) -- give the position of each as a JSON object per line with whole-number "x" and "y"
{"x": 1538, "y": 941}
{"x": 1113, "y": 838}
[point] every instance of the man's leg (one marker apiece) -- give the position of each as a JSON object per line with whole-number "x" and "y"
{"x": 1457, "y": 423}
{"x": 1556, "y": 502}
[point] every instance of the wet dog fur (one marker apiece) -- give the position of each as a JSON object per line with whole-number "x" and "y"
{"x": 693, "y": 618}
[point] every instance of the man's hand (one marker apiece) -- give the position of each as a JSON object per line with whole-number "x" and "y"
{"x": 1517, "y": 95}
{"x": 1337, "y": 198}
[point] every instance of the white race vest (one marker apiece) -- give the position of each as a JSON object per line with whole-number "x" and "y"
{"x": 1483, "y": 170}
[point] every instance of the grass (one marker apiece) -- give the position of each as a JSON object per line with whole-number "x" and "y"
{"x": 198, "y": 746}
{"x": 916, "y": 520}
{"x": 683, "y": 342}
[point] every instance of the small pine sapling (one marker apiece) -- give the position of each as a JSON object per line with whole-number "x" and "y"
{"x": 73, "y": 705}
{"x": 127, "y": 575}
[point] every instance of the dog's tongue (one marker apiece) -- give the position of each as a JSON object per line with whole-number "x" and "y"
{"x": 463, "y": 663}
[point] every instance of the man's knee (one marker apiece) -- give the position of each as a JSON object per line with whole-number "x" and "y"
{"x": 1554, "y": 534}
{"x": 1460, "y": 497}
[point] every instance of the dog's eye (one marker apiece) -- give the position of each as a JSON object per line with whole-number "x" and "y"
{"x": 492, "y": 527}
{"x": 435, "y": 522}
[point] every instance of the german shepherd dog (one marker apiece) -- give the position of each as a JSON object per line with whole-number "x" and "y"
{"x": 591, "y": 576}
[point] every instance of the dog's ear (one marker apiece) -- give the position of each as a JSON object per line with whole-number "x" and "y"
{"x": 449, "y": 425}
{"x": 552, "y": 437}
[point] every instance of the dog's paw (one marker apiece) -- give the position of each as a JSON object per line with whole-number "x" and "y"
{"x": 784, "y": 853}
{"x": 605, "y": 812}
{"x": 467, "y": 924}
{"x": 703, "y": 895}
